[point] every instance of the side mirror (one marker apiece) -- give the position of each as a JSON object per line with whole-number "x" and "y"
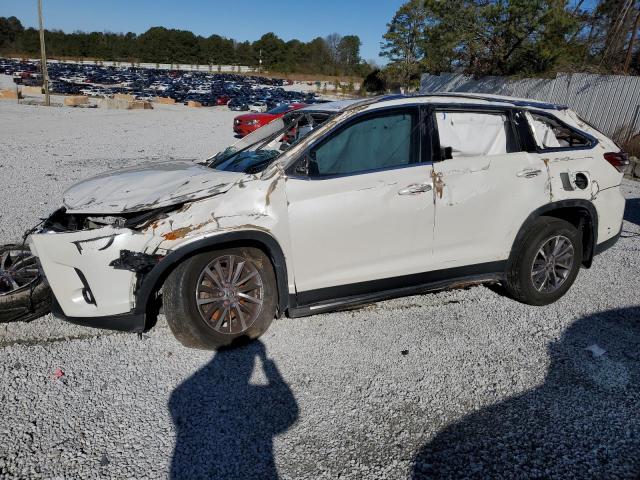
{"x": 302, "y": 167}
{"x": 446, "y": 153}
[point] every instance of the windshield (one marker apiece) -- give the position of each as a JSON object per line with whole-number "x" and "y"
{"x": 257, "y": 150}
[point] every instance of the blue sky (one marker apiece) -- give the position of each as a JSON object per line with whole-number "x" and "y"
{"x": 238, "y": 19}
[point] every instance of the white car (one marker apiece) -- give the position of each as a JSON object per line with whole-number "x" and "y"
{"x": 259, "y": 107}
{"x": 335, "y": 205}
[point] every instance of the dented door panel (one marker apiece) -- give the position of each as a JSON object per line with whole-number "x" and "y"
{"x": 360, "y": 227}
{"x": 481, "y": 205}
{"x": 583, "y": 173}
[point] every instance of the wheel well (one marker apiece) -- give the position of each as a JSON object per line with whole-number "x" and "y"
{"x": 581, "y": 219}
{"x": 579, "y": 213}
{"x": 149, "y": 302}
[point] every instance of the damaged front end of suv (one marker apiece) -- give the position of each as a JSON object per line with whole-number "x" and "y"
{"x": 97, "y": 248}
{"x": 107, "y": 251}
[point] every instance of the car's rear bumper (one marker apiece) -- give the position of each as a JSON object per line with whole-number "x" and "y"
{"x": 607, "y": 244}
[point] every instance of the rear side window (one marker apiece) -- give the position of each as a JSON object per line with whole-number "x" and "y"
{"x": 472, "y": 134}
{"x": 550, "y": 133}
{"x": 374, "y": 143}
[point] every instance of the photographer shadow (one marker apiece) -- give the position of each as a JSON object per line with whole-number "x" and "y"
{"x": 582, "y": 422}
{"x": 225, "y": 425}
{"x": 632, "y": 211}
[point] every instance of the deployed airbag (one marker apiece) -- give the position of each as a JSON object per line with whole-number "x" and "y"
{"x": 472, "y": 134}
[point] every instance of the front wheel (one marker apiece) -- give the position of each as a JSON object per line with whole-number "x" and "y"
{"x": 24, "y": 295}
{"x": 547, "y": 262}
{"x": 222, "y": 298}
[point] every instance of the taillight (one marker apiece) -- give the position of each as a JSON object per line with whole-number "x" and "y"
{"x": 619, "y": 160}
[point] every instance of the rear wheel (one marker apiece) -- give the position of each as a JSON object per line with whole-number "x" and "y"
{"x": 547, "y": 262}
{"x": 222, "y": 298}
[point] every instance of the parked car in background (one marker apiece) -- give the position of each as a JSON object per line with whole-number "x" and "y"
{"x": 239, "y": 104}
{"x": 206, "y": 87}
{"x": 258, "y": 106}
{"x": 247, "y": 123}
{"x": 372, "y": 199}
{"x": 222, "y": 99}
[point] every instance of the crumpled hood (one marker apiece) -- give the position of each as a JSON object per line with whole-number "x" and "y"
{"x": 146, "y": 187}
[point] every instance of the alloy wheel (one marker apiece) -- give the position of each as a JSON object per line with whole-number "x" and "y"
{"x": 552, "y": 264}
{"x": 230, "y": 294}
{"x": 18, "y": 270}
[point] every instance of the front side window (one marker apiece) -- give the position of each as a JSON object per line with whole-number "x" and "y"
{"x": 472, "y": 134}
{"x": 375, "y": 143}
{"x": 551, "y": 133}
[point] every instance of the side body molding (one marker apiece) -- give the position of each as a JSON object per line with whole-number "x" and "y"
{"x": 153, "y": 280}
{"x": 590, "y": 225}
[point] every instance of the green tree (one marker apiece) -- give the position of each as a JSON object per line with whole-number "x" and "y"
{"x": 172, "y": 46}
{"x": 483, "y": 37}
{"x": 402, "y": 42}
{"x": 10, "y": 28}
{"x": 374, "y": 82}
{"x": 349, "y": 53}
{"x": 273, "y": 50}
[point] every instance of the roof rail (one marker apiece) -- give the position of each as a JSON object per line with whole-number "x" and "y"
{"x": 479, "y": 96}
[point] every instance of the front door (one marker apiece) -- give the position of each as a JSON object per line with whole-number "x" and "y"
{"x": 364, "y": 212}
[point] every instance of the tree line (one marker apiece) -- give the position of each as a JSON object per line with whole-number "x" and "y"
{"x": 332, "y": 55}
{"x": 510, "y": 37}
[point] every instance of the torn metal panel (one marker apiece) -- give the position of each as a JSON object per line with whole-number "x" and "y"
{"x": 137, "y": 262}
{"x": 147, "y": 187}
{"x": 438, "y": 183}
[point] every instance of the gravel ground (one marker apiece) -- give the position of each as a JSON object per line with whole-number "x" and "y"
{"x": 458, "y": 383}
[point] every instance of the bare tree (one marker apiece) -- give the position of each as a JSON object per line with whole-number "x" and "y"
{"x": 333, "y": 43}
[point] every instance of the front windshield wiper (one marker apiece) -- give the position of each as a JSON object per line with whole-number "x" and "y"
{"x": 229, "y": 152}
{"x": 259, "y": 166}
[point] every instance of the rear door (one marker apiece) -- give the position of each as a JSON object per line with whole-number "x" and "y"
{"x": 364, "y": 212}
{"x": 485, "y": 185}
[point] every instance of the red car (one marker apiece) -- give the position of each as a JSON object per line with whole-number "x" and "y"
{"x": 247, "y": 123}
{"x": 223, "y": 99}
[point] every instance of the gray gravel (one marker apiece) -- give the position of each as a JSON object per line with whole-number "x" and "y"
{"x": 458, "y": 383}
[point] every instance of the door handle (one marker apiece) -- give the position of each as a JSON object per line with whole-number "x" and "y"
{"x": 529, "y": 172}
{"x": 415, "y": 188}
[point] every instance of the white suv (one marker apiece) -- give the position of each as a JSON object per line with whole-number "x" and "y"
{"x": 335, "y": 205}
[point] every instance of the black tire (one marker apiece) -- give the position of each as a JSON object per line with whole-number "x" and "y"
{"x": 25, "y": 304}
{"x": 519, "y": 283}
{"x": 183, "y": 314}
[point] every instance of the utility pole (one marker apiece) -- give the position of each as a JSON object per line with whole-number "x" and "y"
{"x": 260, "y": 63}
{"x": 43, "y": 53}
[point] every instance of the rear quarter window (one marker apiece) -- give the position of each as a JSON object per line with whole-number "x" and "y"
{"x": 551, "y": 133}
